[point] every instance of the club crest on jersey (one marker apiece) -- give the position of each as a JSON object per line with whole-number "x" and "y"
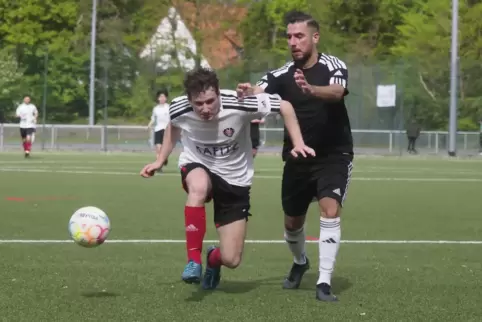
{"x": 228, "y": 132}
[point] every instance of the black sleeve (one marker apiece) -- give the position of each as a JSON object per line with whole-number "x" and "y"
{"x": 269, "y": 83}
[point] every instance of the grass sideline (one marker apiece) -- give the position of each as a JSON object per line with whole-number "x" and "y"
{"x": 411, "y": 232}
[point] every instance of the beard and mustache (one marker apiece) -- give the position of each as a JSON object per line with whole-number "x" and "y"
{"x": 300, "y": 61}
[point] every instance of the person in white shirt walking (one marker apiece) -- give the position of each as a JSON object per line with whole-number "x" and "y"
{"x": 159, "y": 119}
{"x": 27, "y": 112}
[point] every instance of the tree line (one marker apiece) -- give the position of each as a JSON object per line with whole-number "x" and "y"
{"x": 402, "y": 42}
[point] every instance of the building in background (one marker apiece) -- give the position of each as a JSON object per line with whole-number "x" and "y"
{"x": 174, "y": 43}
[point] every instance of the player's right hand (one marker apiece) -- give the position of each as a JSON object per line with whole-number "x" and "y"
{"x": 150, "y": 169}
{"x": 304, "y": 150}
{"x": 244, "y": 89}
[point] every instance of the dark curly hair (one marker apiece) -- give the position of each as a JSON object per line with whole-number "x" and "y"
{"x": 199, "y": 80}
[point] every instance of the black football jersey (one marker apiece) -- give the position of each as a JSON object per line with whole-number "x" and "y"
{"x": 325, "y": 125}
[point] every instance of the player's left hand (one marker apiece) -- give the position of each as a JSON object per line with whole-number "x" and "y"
{"x": 302, "y": 82}
{"x": 303, "y": 150}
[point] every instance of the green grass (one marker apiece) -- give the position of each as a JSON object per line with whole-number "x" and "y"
{"x": 389, "y": 199}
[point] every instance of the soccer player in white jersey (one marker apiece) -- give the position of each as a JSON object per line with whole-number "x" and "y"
{"x": 27, "y": 112}
{"x": 216, "y": 163}
{"x": 159, "y": 119}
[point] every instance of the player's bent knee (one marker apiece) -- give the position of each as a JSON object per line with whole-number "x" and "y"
{"x": 294, "y": 223}
{"x": 330, "y": 208}
{"x": 198, "y": 186}
{"x": 197, "y": 194}
{"x": 330, "y": 213}
{"x": 231, "y": 260}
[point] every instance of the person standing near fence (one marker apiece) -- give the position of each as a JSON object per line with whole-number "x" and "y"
{"x": 413, "y": 132}
{"x": 159, "y": 119}
{"x": 27, "y": 113}
{"x": 316, "y": 84}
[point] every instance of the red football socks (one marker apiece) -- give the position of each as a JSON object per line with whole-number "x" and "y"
{"x": 195, "y": 225}
{"x": 214, "y": 259}
{"x": 28, "y": 146}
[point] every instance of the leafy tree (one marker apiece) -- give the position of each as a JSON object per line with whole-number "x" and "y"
{"x": 425, "y": 41}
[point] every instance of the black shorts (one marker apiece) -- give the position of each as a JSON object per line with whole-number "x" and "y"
{"x": 255, "y": 135}
{"x": 158, "y": 137}
{"x": 231, "y": 203}
{"x": 326, "y": 177}
{"x": 26, "y": 132}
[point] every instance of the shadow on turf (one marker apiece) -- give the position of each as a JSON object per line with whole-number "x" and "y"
{"x": 97, "y": 294}
{"x": 340, "y": 285}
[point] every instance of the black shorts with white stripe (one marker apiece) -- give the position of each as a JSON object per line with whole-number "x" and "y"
{"x": 327, "y": 176}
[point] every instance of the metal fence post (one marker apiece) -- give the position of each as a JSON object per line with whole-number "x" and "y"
{"x": 1, "y": 137}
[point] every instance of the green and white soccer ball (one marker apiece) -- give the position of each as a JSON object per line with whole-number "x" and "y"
{"x": 89, "y": 227}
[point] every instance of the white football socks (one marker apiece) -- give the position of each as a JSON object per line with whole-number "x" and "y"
{"x": 328, "y": 244}
{"x": 296, "y": 243}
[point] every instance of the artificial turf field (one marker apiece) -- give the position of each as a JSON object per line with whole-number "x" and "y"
{"x": 392, "y": 266}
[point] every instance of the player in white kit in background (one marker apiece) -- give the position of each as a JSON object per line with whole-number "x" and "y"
{"x": 159, "y": 119}
{"x": 217, "y": 163}
{"x": 27, "y": 112}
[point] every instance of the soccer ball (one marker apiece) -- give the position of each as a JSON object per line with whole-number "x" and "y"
{"x": 89, "y": 227}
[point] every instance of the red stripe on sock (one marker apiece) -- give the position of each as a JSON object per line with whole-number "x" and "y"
{"x": 195, "y": 226}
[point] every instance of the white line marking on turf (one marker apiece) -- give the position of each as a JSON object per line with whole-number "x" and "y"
{"x": 249, "y": 241}
{"x": 118, "y": 167}
{"x": 256, "y": 176}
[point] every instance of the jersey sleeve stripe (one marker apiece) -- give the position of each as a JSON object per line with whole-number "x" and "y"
{"x": 261, "y": 82}
{"x": 245, "y": 99}
{"x": 240, "y": 108}
{"x": 178, "y": 103}
{"x": 179, "y": 107}
{"x": 176, "y": 108}
{"x": 327, "y": 63}
{"x": 249, "y": 100}
{"x": 242, "y": 104}
{"x": 178, "y": 113}
{"x": 333, "y": 62}
{"x": 275, "y": 103}
{"x": 338, "y": 80}
{"x": 283, "y": 69}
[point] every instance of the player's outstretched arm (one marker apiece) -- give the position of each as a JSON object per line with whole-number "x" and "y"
{"x": 246, "y": 89}
{"x": 172, "y": 134}
{"x": 294, "y": 131}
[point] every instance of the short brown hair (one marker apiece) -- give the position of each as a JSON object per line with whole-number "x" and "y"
{"x": 200, "y": 80}
{"x": 298, "y": 16}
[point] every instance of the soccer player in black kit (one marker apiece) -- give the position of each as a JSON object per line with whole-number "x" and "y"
{"x": 315, "y": 84}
